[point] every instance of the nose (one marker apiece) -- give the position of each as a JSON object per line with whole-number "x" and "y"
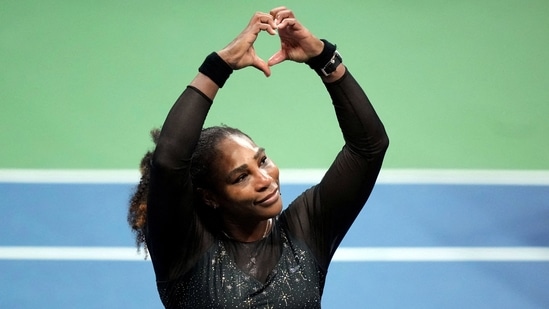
{"x": 264, "y": 180}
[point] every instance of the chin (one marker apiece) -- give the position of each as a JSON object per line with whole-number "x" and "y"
{"x": 277, "y": 207}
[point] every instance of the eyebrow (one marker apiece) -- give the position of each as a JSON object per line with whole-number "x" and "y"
{"x": 242, "y": 168}
{"x": 259, "y": 152}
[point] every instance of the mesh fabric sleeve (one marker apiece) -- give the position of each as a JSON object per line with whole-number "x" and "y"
{"x": 322, "y": 215}
{"x": 175, "y": 236}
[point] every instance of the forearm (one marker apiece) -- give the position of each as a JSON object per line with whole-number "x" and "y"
{"x": 181, "y": 129}
{"x": 185, "y": 120}
{"x": 362, "y": 129}
{"x": 349, "y": 181}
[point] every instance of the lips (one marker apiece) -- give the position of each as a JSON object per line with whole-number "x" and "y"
{"x": 269, "y": 199}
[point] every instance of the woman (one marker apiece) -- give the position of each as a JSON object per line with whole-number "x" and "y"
{"x": 213, "y": 221}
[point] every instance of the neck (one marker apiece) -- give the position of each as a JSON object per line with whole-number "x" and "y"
{"x": 250, "y": 234}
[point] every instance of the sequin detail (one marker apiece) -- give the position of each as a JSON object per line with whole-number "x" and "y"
{"x": 216, "y": 282}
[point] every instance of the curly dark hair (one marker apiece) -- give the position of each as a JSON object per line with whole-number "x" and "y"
{"x": 137, "y": 212}
{"x": 201, "y": 170}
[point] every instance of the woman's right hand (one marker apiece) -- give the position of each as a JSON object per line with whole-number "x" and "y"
{"x": 240, "y": 53}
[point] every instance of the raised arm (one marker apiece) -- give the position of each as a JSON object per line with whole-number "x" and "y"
{"x": 171, "y": 218}
{"x": 323, "y": 214}
{"x": 350, "y": 179}
{"x": 175, "y": 235}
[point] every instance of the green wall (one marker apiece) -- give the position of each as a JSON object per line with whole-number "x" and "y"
{"x": 458, "y": 85}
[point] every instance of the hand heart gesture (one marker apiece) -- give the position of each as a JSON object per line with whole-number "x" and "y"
{"x": 297, "y": 43}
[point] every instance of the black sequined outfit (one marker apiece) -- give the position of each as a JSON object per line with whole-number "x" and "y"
{"x": 198, "y": 267}
{"x": 216, "y": 281}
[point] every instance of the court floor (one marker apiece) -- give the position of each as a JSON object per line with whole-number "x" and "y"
{"x": 415, "y": 245}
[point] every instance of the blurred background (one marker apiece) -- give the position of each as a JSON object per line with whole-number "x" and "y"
{"x": 461, "y": 88}
{"x": 458, "y": 85}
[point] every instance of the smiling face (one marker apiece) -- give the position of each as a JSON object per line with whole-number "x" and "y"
{"x": 247, "y": 185}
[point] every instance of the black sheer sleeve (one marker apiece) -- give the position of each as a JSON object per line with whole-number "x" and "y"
{"x": 322, "y": 215}
{"x": 175, "y": 236}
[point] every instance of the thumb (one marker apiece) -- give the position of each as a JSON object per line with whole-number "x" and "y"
{"x": 261, "y": 65}
{"x": 277, "y": 58}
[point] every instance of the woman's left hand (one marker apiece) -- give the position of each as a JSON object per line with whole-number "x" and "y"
{"x": 297, "y": 43}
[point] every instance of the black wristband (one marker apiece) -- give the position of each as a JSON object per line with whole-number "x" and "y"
{"x": 318, "y": 62}
{"x": 216, "y": 69}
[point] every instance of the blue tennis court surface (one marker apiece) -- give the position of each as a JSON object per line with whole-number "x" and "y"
{"x": 406, "y": 216}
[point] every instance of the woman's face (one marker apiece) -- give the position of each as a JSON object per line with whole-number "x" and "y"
{"x": 247, "y": 185}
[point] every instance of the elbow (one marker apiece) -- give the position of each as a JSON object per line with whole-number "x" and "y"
{"x": 384, "y": 142}
{"x": 382, "y": 139}
{"x": 378, "y": 146}
{"x": 160, "y": 157}
{"x": 164, "y": 158}
{"x": 372, "y": 148}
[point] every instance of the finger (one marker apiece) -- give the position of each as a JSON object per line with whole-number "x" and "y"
{"x": 264, "y": 22}
{"x": 262, "y": 66}
{"x": 270, "y": 28}
{"x": 261, "y": 16}
{"x": 277, "y": 58}
{"x": 282, "y": 14}
{"x": 289, "y": 23}
{"x": 276, "y": 10}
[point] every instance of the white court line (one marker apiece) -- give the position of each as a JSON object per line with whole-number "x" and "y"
{"x": 443, "y": 254}
{"x": 71, "y": 253}
{"x": 69, "y": 176}
{"x": 343, "y": 254}
{"x": 296, "y": 176}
